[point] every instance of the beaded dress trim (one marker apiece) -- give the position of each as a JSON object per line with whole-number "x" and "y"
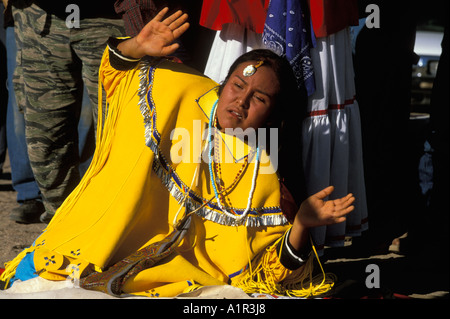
{"x": 257, "y": 217}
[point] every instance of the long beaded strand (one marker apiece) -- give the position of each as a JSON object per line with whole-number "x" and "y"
{"x": 255, "y": 173}
{"x": 217, "y": 167}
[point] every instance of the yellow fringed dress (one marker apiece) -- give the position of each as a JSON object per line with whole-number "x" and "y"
{"x": 131, "y": 195}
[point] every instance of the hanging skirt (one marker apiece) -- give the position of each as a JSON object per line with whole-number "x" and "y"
{"x": 229, "y": 44}
{"x": 332, "y": 147}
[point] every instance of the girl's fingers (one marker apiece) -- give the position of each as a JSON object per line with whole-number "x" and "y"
{"x": 177, "y": 23}
{"x": 175, "y": 20}
{"x": 347, "y": 210}
{"x": 160, "y": 15}
{"x": 340, "y": 216}
{"x": 344, "y": 201}
{"x": 339, "y": 220}
{"x": 170, "y": 49}
{"x": 180, "y": 30}
{"x": 324, "y": 192}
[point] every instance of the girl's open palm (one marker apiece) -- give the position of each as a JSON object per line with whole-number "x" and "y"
{"x": 157, "y": 37}
{"x": 316, "y": 211}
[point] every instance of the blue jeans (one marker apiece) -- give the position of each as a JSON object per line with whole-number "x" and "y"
{"x": 3, "y": 101}
{"x": 86, "y": 134}
{"x": 22, "y": 176}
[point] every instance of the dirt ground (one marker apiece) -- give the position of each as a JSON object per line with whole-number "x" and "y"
{"x": 14, "y": 237}
{"x": 390, "y": 275}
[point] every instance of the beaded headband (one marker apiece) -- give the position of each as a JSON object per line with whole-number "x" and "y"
{"x": 251, "y": 68}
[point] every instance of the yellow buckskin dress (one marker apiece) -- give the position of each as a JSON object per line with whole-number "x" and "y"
{"x": 135, "y": 193}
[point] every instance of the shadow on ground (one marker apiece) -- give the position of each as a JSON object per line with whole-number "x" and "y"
{"x": 389, "y": 277}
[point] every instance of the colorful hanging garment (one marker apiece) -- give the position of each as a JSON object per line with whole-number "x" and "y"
{"x": 249, "y": 14}
{"x": 287, "y": 31}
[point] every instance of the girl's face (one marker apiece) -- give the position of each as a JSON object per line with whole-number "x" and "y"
{"x": 247, "y": 101}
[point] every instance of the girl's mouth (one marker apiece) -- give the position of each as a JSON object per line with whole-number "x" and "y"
{"x": 236, "y": 114}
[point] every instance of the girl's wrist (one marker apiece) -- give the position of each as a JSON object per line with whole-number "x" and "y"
{"x": 130, "y": 48}
{"x": 299, "y": 234}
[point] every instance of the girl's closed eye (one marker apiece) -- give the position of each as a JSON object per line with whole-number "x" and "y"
{"x": 238, "y": 85}
{"x": 259, "y": 98}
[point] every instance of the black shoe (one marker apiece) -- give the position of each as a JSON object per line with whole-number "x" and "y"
{"x": 46, "y": 217}
{"x": 28, "y": 212}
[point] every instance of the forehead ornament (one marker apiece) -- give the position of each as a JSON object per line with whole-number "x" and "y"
{"x": 251, "y": 68}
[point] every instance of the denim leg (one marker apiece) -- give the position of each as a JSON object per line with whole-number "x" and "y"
{"x": 3, "y": 101}
{"x": 86, "y": 134}
{"x": 21, "y": 174}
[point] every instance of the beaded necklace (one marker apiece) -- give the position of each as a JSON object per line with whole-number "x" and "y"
{"x": 221, "y": 189}
{"x": 237, "y": 218}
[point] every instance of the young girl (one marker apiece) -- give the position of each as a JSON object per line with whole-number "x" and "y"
{"x": 141, "y": 222}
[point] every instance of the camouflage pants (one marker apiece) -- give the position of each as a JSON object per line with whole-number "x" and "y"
{"x": 54, "y": 65}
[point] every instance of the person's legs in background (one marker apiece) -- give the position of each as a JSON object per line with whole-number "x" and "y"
{"x": 47, "y": 84}
{"x": 3, "y": 94}
{"x": 23, "y": 182}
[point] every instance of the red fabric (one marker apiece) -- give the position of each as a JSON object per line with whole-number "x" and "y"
{"x": 331, "y": 16}
{"x": 250, "y": 14}
{"x": 287, "y": 203}
{"x": 135, "y": 14}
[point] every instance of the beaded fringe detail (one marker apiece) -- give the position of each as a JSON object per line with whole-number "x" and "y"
{"x": 302, "y": 283}
{"x": 268, "y": 216}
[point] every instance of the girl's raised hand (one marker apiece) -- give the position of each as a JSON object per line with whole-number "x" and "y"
{"x": 157, "y": 36}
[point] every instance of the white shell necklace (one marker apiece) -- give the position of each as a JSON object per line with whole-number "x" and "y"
{"x": 238, "y": 218}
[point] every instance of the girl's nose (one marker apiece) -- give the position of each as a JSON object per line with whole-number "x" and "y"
{"x": 243, "y": 100}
